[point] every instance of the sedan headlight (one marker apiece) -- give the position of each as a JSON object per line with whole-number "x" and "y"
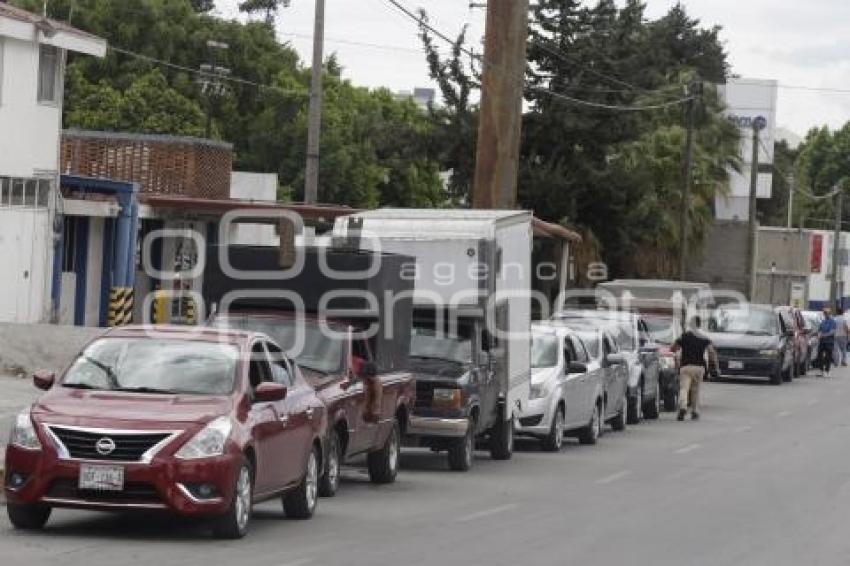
{"x": 449, "y": 398}
{"x": 23, "y": 432}
{"x": 540, "y": 390}
{"x": 768, "y": 353}
{"x": 209, "y": 442}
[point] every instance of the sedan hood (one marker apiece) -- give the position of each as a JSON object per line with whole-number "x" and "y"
{"x": 543, "y": 375}
{"x": 743, "y": 341}
{"x": 80, "y": 407}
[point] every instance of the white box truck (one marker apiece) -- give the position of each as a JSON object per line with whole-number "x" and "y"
{"x": 470, "y": 342}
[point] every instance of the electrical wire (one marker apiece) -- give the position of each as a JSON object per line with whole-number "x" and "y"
{"x": 206, "y": 74}
{"x": 423, "y": 23}
{"x": 564, "y": 57}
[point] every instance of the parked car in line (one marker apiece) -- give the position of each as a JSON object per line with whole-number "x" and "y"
{"x": 341, "y": 368}
{"x": 604, "y": 353}
{"x": 633, "y": 339}
{"x": 567, "y": 391}
{"x": 751, "y": 341}
{"x": 664, "y": 330}
{"x": 202, "y": 423}
{"x": 811, "y": 321}
{"x": 793, "y": 323}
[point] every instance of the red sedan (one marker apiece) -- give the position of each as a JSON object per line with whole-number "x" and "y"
{"x": 200, "y": 423}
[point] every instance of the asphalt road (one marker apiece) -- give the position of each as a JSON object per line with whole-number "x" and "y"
{"x": 762, "y": 479}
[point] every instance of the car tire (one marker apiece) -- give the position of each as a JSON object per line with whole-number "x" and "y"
{"x": 502, "y": 437}
{"x": 636, "y": 406}
{"x": 788, "y": 375}
{"x": 301, "y": 503}
{"x": 652, "y": 409}
{"x": 619, "y": 422}
{"x": 671, "y": 401}
{"x": 28, "y": 517}
{"x": 778, "y": 377}
{"x": 554, "y": 441}
{"x": 329, "y": 483}
{"x": 590, "y": 434}
{"x": 234, "y": 523}
{"x": 383, "y": 464}
{"x": 461, "y": 452}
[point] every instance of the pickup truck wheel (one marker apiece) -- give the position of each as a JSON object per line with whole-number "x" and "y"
{"x": 383, "y": 463}
{"x": 554, "y": 441}
{"x": 234, "y": 523}
{"x": 622, "y": 418}
{"x": 651, "y": 410}
{"x": 461, "y": 452}
{"x": 591, "y": 433}
{"x": 636, "y": 406}
{"x": 502, "y": 439}
{"x": 28, "y": 517}
{"x": 301, "y": 503}
{"x": 329, "y": 483}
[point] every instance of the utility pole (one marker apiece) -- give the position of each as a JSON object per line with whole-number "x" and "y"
{"x": 314, "y": 131}
{"x": 834, "y": 289}
{"x": 790, "y": 199}
{"x": 694, "y": 90}
{"x": 502, "y": 85}
{"x": 758, "y": 125}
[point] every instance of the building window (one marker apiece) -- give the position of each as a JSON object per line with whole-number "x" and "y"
{"x": 48, "y": 74}
{"x": 25, "y": 193}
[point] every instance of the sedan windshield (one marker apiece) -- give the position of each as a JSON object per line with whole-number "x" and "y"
{"x": 155, "y": 366}
{"x": 308, "y": 342}
{"x": 544, "y": 351}
{"x": 428, "y": 343}
{"x": 744, "y": 321}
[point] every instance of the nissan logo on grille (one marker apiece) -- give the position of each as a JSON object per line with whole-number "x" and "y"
{"x": 105, "y": 446}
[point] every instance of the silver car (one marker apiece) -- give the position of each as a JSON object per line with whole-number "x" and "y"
{"x": 606, "y": 356}
{"x": 567, "y": 390}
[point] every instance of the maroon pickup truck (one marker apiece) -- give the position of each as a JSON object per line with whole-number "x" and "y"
{"x": 367, "y": 410}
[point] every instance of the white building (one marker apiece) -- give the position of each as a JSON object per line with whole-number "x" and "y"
{"x": 32, "y": 60}
{"x": 746, "y": 100}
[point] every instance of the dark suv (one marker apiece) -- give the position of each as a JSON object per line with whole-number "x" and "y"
{"x": 751, "y": 340}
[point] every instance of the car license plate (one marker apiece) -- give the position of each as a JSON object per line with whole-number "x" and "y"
{"x": 736, "y": 365}
{"x": 101, "y": 478}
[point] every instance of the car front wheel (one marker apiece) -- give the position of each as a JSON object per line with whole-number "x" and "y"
{"x": 461, "y": 452}
{"x": 234, "y": 523}
{"x": 329, "y": 483}
{"x": 622, "y": 418}
{"x": 591, "y": 433}
{"x": 502, "y": 438}
{"x": 301, "y": 503}
{"x": 636, "y": 406}
{"x": 555, "y": 439}
{"x": 28, "y": 517}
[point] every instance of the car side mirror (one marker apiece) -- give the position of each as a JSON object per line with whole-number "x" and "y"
{"x": 368, "y": 370}
{"x": 268, "y": 392}
{"x": 44, "y": 379}
{"x": 577, "y": 367}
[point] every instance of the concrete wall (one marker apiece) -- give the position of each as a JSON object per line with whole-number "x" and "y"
{"x": 34, "y": 147}
{"x": 789, "y": 252}
{"x": 26, "y": 250}
{"x": 722, "y": 260}
{"x": 25, "y": 348}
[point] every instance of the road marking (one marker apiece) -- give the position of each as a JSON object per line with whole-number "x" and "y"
{"x": 486, "y": 513}
{"x": 613, "y": 477}
{"x": 784, "y": 414}
{"x": 688, "y": 449}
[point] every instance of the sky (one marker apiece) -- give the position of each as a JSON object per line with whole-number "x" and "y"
{"x": 799, "y": 43}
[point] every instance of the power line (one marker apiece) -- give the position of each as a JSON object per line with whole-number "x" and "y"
{"x": 795, "y": 87}
{"x": 206, "y": 74}
{"x": 422, "y": 22}
{"x": 564, "y": 57}
{"x": 357, "y": 43}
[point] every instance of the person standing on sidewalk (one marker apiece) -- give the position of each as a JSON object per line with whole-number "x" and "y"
{"x": 826, "y": 341}
{"x": 841, "y": 335}
{"x": 693, "y": 345}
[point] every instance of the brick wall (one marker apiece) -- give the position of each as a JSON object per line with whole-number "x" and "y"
{"x": 162, "y": 165}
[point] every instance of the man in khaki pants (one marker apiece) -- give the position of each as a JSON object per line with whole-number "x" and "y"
{"x": 693, "y": 344}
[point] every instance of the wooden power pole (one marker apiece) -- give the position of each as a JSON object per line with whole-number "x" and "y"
{"x": 314, "y": 123}
{"x": 752, "y": 247}
{"x": 500, "y": 127}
